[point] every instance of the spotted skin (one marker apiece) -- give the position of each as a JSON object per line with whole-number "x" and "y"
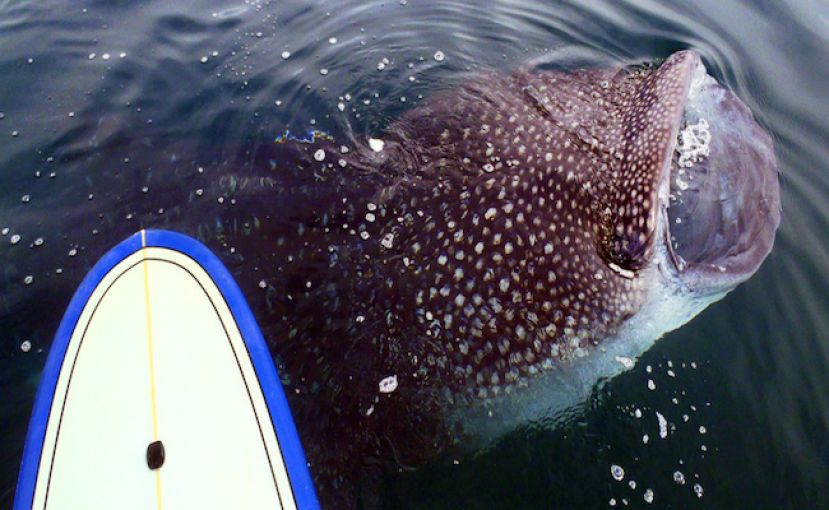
{"x": 499, "y": 234}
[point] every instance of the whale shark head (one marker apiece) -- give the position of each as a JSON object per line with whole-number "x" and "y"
{"x": 696, "y": 175}
{"x": 678, "y": 183}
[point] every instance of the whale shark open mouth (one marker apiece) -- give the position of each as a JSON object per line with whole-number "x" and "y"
{"x": 722, "y": 205}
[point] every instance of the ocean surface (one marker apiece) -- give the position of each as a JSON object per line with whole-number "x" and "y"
{"x": 120, "y": 115}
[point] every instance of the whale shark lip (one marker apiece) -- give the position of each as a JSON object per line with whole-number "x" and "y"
{"x": 722, "y": 206}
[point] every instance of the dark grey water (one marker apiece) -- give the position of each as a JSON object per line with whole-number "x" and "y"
{"x": 110, "y": 110}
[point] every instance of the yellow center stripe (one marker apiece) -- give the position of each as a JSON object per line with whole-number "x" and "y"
{"x": 150, "y": 352}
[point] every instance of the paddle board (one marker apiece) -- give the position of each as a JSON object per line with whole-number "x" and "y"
{"x": 159, "y": 392}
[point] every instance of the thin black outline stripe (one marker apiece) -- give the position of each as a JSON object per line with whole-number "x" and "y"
{"x": 230, "y": 343}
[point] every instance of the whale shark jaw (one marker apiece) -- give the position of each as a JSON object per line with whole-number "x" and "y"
{"x": 721, "y": 206}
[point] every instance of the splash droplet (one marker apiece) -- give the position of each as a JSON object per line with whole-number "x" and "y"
{"x": 663, "y": 425}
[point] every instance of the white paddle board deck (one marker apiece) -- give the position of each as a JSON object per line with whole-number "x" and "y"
{"x": 159, "y": 393}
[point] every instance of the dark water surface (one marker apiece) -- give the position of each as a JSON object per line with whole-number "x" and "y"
{"x": 118, "y": 115}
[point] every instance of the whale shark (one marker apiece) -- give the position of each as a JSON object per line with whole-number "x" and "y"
{"x": 476, "y": 266}
{"x": 498, "y": 249}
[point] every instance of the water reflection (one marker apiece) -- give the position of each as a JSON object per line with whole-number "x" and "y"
{"x": 102, "y": 147}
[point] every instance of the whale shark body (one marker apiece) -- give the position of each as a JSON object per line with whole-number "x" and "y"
{"x": 477, "y": 266}
{"x": 498, "y": 249}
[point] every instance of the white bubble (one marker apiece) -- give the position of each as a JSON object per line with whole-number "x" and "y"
{"x": 28, "y": 279}
{"x": 439, "y": 56}
{"x": 319, "y": 155}
{"x": 376, "y": 144}
{"x": 698, "y": 490}
{"x": 262, "y": 284}
{"x": 617, "y": 472}
{"x": 648, "y": 496}
{"x": 286, "y": 55}
{"x": 693, "y": 144}
{"x": 388, "y": 384}
{"x": 679, "y": 478}
{"x": 332, "y": 40}
{"x": 15, "y": 238}
{"x": 26, "y": 346}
